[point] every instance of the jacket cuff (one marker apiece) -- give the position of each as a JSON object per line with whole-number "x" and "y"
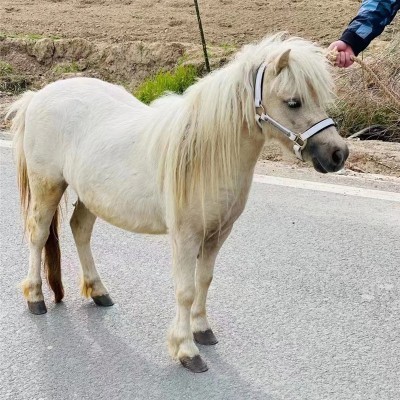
{"x": 357, "y": 43}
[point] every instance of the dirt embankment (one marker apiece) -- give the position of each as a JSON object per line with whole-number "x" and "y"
{"x": 44, "y": 60}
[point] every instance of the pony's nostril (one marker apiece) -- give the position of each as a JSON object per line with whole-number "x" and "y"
{"x": 338, "y": 157}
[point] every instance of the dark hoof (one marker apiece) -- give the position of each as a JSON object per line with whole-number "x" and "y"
{"x": 37, "y": 307}
{"x": 207, "y": 338}
{"x": 103, "y": 300}
{"x": 194, "y": 364}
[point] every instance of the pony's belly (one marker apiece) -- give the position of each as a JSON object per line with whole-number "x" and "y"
{"x": 140, "y": 215}
{"x": 132, "y": 221}
{"x": 147, "y": 227}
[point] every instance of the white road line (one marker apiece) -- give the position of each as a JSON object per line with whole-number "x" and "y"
{"x": 6, "y": 143}
{"x": 328, "y": 187}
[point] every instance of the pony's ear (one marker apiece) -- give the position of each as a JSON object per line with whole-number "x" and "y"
{"x": 282, "y": 62}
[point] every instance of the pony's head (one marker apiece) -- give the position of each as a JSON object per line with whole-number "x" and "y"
{"x": 293, "y": 87}
{"x": 209, "y": 135}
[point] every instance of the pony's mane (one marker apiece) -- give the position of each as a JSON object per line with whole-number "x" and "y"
{"x": 197, "y": 134}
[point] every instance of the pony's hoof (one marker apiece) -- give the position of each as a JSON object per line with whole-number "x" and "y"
{"x": 103, "y": 301}
{"x": 37, "y": 307}
{"x": 207, "y": 337}
{"x": 194, "y": 364}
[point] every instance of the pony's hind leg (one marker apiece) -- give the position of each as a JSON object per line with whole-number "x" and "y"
{"x": 82, "y": 222}
{"x": 180, "y": 338}
{"x": 201, "y": 329}
{"x": 41, "y": 226}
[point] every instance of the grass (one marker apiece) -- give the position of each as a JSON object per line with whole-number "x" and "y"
{"x": 5, "y": 68}
{"x": 30, "y": 36}
{"x": 10, "y": 81}
{"x": 14, "y": 84}
{"x": 176, "y": 81}
{"x": 229, "y": 48}
{"x": 33, "y": 36}
{"x": 65, "y": 68}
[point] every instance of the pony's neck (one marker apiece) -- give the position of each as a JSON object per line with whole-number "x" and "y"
{"x": 205, "y": 140}
{"x": 251, "y": 145}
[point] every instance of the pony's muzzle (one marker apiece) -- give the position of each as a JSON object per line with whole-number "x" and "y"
{"x": 327, "y": 152}
{"x": 339, "y": 156}
{"x": 332, "y": 162}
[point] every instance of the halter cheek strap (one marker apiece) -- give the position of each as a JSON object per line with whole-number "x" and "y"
{"x": 299, "y": 139}
{"x": 259, "y": 85}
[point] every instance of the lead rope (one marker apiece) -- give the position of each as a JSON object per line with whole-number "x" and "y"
{"x": 332, "y": 55}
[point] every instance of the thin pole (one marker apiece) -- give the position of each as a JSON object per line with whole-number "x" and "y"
{"x": 203, "y": 40}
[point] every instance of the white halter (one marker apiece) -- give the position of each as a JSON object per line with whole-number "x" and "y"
{"x": 299, "y": 139}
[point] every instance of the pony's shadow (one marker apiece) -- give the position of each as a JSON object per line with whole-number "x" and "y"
{"x": 96, "y": 363}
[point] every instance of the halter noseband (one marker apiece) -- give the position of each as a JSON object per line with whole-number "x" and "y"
{"x": 299, "y": 139}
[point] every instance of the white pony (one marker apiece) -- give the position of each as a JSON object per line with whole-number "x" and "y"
{"x": 182, "y": 166}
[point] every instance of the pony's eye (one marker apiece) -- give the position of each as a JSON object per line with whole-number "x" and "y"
{"x": 293, "y": 103}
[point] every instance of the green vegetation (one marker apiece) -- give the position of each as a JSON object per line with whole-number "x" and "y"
{"x": 177, "y": 81}
{"x": 65, "y": 68}
{"x": 30, "y": 36}
{"x": 9, "y": 81}
{"x": 229, "y": 48}
{"x": 5, "y": 68}
{"x": 183, "y": 58}
{"x": 33, "y": 36}
{"x": 14, "y": 84}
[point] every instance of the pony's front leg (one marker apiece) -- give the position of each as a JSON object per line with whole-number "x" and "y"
{"x": 204, "y": 274}
{"x": 180, "y": 338}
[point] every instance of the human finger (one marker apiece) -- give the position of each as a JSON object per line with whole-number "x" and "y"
{"x": 342, "y": 59}
{"x": 348, "y": 60}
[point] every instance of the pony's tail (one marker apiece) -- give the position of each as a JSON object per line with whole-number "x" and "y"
{"x": 52, "y": 254}
{"x": 52, "y": 259}
{"x": 18, "y": 111}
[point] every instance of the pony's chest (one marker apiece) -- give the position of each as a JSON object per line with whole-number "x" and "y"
{"x": 229, "y": 207}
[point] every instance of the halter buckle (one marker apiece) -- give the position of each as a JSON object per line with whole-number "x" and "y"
{"x": 300, "y": 141}
{"x": 298, "y": 146}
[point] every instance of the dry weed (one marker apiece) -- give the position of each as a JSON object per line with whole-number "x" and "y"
{"x": 362, "y": 103}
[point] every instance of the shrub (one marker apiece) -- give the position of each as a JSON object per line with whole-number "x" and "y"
{"x": 361, "y": 102}
{"x": 177, "y": 81}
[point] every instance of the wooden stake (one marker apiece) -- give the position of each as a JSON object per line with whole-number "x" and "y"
{"x": 203, "y": 41}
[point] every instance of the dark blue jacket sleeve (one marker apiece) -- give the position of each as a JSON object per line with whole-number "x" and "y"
{"x": 370, "y": 21}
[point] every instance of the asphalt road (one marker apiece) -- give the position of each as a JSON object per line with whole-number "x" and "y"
{"x": 305, "y": 303}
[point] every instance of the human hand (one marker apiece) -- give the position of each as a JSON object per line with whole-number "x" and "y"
{"x": 345, "y": 54}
